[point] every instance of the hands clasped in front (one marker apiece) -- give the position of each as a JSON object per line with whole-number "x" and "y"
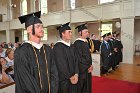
{"x": 74, "y": 79}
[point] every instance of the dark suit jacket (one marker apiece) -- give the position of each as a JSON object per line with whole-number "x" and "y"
{"x": 105, "y": 55}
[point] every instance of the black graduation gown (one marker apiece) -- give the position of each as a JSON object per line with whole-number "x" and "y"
{"x": 27, "y": 73}
{"x": 97, "y": 44}
{"x": 67, "y": 67}
{"x": 119, "y": 48}
{"x": 85, "y": 61}
{"x": 113, "y": 61}
{"x": 106, "y": 57}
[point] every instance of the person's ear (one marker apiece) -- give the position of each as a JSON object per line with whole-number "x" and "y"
{"x": 29, "y": 29}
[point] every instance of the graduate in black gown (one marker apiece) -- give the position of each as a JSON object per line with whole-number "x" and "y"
{"x": 111, "y": 44}
{"x": 66, "y": 62}
{"x": 35, "y": 69}
{"x": 96, "y": 43}
{"x": 105, "y": 54}
{"x": 84, "y": 58}
{"x": 118, "y": 45}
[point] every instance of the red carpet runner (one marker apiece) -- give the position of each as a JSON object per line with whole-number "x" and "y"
{"x": 105, "y": 85}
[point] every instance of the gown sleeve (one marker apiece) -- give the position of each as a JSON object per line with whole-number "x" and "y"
{"x": 61, "y": 61}
{"x": 25, "y": 82}
{"x": 53, "y": 75}
{"x": 83, "y": 55}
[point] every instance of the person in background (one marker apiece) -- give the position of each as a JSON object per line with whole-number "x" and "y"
{"x": 10, "y": 45}
{"x": 111, "y": 44}
{"x": 4, "y": 77}
{"x": 9, "y": 56}
{"x": 16, "y": 45}
{"x": 90, "y": 43}
{"x": 96, "y": 42}
{"x": 105, "y": 55}
{"x": 118, "y": 48}
{"x": 2, "y": 52}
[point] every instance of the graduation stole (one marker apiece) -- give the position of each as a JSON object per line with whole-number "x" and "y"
{"x": 39, "y": 68}
{"x": 91, "y": 45}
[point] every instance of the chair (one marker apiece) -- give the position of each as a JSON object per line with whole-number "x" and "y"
{"x": 137, "y": 49}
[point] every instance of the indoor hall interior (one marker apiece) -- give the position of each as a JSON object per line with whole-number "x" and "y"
{"x": 101, "y": 16}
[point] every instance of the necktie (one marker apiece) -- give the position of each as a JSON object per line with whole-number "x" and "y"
{"x": 107, "y": 45}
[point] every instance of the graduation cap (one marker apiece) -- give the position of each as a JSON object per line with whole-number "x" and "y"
{"x": 31, "y": 19}
{"x": 105, "y": 35}
{"x": 64, "y": 27}
{"x": 108, "y": 33}
{"x": 81, "y": 27}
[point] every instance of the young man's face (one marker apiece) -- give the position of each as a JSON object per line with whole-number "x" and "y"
{"x": 93, "y": 37}
{"x": 39, "y": 31}
{"x": 110, "y": 36}
{"x": 106, "y": 38}
{"x": 85, "y": 33}
{"x": 67, "y": 34}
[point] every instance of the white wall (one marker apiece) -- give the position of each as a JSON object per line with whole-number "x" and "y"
{"x": 93, "y": 13}
{"x": 53, "y": 35}
{"x": 94, "y": 28}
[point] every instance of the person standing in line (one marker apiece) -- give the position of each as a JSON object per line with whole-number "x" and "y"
{"x": 105, "y": 55}
{"x": 84, "y": 59}
{"x": 65, "y": 61}
{"x": 34, "y": 67}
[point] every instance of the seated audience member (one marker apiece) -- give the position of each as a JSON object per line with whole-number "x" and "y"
{"x": 4, "y": 78}
{"x": 2, "y": 52}
{"x": 10, "y": 61}
{"x": 15, "y": 46}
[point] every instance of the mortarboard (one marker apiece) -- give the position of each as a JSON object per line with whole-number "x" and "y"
{"x": 105, "y": 35}
{"x": 108, "y": 34}
{"x": 31, "y": 19}
{"x": 81, "y": 27}
{"x": 64, "y": 27}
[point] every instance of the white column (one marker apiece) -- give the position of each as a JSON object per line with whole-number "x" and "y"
{"x": 127, "y": 38}
{"x": 10, "y": 36}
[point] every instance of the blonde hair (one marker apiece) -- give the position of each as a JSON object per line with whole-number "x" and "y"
{"x": 8, "y": 51}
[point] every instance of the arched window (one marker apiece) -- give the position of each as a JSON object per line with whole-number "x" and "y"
{"x": 105, "y": 1}
{"x": 23, "y": 7}
{"x": 106, "y": 28}
{"x": 24, "y": 12}
{"x": 72, "y": 4}
{"x": 43, "y": 6}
